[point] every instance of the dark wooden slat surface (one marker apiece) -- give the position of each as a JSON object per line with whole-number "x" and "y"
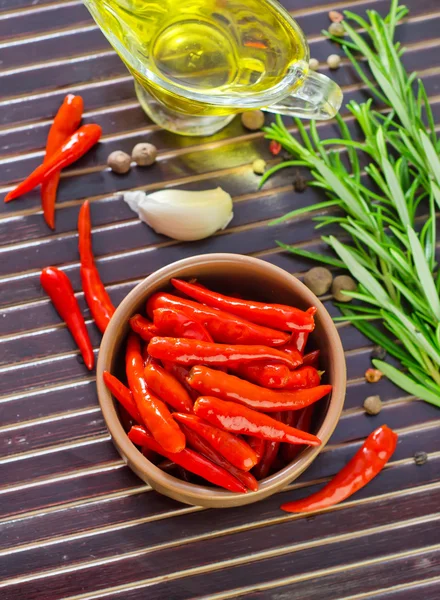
{"x": 74, "y": 521}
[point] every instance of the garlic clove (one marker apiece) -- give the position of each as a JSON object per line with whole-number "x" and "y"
{"x": 181, "y": 214}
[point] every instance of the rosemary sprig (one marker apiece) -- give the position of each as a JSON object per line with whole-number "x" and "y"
{"x": 392, "y": 252}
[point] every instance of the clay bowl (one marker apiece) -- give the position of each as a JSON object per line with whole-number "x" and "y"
{"x": 252, "y": 278}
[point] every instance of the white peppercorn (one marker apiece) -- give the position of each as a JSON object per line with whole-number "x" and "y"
{"x": 373, "y": 405}
{"x": 313, "y": 64}
{"x": 337, "y": 29}
{"x": 318, "y": 280}
{"x": 253, "y": 119}
{"x": 259, "y": 166}
{"x": 144, "y": 154}
{"x": 334, "y": 61}
{"x": 119, "y": 162}
{"x": 340, "y": 283}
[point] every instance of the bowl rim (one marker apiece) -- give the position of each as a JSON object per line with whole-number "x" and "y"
{"x": 146, "y": 470}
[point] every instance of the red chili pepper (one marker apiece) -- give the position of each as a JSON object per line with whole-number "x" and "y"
{"x": 311, "y": 359}
{"x": 261, "y": 470}
{"x": 95, "y": 293}
{"x": 228, "y": 387}
{"x": 198, "y": 444}
{"x": 193, "y": 352}
{"x": 270, "y": 376}
{"x": 278, "y": 316}
{"x": 303, "y": 378}
{"x": 122, "y": 395}
{"x": 302, "y": 420}
{"x": 58, "y": 287}
{"x": 143, "y": 327}
{"x": 73, "y": 148}
{"x": 65, "y": 123}
{"x": 275, "y": 147}
{"x": 154, "y": 413}
{"x": 242, "y": 420}
{"x": 297, "y": 342}
{"x": 235, "y": 450}
{"x": 180, "y": 373}
{"x": 176, "y": 323}
{"x": 258, "y": 445}
{"x": 223, "y": 327}
{"x": 168, "y": 388}
{"x": 368, "y": 461}
{"x": 189, "y": 460}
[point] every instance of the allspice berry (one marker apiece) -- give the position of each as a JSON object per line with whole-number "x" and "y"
{"x": 253, "y": 119}
{"x": 340, "y": 283}
{"x": 318, "y": 280}
{"x": 144, "y": 154}
{"x": 119, "y": 162}
{"x": 373, "y": 405}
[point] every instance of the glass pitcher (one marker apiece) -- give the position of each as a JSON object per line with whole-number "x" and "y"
{"x": 197, "y": 63}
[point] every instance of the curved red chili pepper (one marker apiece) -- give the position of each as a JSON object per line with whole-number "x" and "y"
{"x": 262, "y": 469}
{"x": 228, "y": 387}
{"x": 311, "y": 359}
{"x": 65, "y": 123}
{"x": 143, "y": 327}
{"x": 176, "y": 323}
{"x": 168, "y": 388}
{"x": 368, "y": 461}
{"x": 297, "y": 342}
{"x": 194, "y": 352}
{"x": 189, "y": 460}
{"x": 222, "y": 326}
{"x": 122, "y": 395}
{"x": 258, "y": 446}
{"x": 303, "y": 378}
{"x": 302, "y": 420}
{"x": 73, "y": 148}
{"x": 269, "y": 376}
{"x": 180, "y": 373}
{"x": 242, "y": 420}
{"x": 58, "y": 287}
{"x": 278, "y": 316}
{"x": 154, "y": 413}
{"x": 200, "y": 445}
{"x": 95, "y": 293}
{"x": 235, "y": 450}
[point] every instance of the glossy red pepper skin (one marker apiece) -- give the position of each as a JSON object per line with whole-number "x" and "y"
{"x": 189, "y": 460}
{"x": 222, "y": 326}
{"x": 258, "y": 446}
{"x": 235, "y": 450}
{"x": 303, "y": 378}
{"x": 65, "y": 123}
{"x": 168, "y": 388}
{"x": 302, "y": 420}
{"x": 95, "y": 293}
{"x": 262, "y": 469}
{"x": 198, "y": 444}
{"x": 297, "y": 342}
{"x": 239, "y": 419}
{"x": 269, "y": 376}
{"x": 228, "y": 387}
{"x": 73, "y": 148}
{"x": 57, "y": 286}
{"x": 122, "y": 395}
{"x": 368, "y": 461}
{"x": 311, "y": 359}
{"x": 180, "y": 373}
{"x": 143, "y": 327}
{"x": 278, "y": 316}
{"x": 175, "y": 323}
{"x": 193, "y": 352}
{"x": 154, "y": 413}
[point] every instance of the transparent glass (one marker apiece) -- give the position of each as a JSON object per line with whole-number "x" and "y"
{"x": 197, "y": 63}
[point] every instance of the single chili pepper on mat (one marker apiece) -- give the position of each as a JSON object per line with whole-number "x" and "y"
{"x": 122, "y": 395}
{"x": 57, "y": 286}
{"x": 154, "y": 413}
{"x": 194, "y": 352}
{"x": 168, "y": 388}
{"x": 262, "y": 469}
{"x": 198, "y": 444}
{"x": 228, "y": 387}
{"x": 242, "y": 420}
{"x": 312, "y": 359}
{"x": 175, "y": 323}
{"x": 95, "y": 293}
{"x": 189, "y": 460}
{"x": 303, "y": 378}
{"x": 143, "y": 327}
{"x": 65, "y": 123}
{"x": 269, "y": 376}
{"x": 258, "y": 445}
{"x": 368, "y": 461}
{"x": 222, "y": 326}
{"x": 278, "y": 316}
{"x": 235, "y": 450}
{"x": 73, "y": 148}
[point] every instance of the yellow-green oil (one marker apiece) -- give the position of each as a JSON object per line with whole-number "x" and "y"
{"x": 218, "y": 48}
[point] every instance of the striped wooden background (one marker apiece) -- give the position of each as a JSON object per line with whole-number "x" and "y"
{"x": 74, "y": 521}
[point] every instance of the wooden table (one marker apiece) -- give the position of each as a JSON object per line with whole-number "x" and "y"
{"x": 74, "y": 521}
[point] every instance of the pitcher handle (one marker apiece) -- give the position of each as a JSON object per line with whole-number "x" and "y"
{"x": 317, "y": 98}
